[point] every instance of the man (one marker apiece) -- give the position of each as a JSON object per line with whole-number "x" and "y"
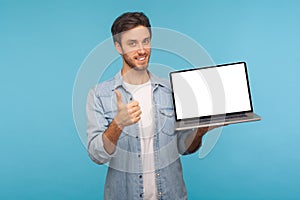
{"x": 130, "y": 122}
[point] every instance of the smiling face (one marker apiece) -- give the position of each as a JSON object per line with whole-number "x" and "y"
{"x": 135, "y": 48}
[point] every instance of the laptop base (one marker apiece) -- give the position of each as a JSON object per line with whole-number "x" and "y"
{"x": 198, "y": 123}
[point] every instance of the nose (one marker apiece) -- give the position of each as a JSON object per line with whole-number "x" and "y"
{"x": 141, "y": 49}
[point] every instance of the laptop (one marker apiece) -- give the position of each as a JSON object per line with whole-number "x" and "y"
{"x": 212, "y": 96}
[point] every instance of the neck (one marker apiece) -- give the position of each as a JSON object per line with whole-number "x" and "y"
{"x": 135, "y": 77}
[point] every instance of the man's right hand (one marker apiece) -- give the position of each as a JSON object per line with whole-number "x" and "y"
{"x": 127, "y": 113}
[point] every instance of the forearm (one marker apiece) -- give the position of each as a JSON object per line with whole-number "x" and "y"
{"x": 194, "y": 141}
{"x": 110, "y": 137}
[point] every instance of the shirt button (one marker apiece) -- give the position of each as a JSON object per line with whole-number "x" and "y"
{"x": 136, "y": 137}
{"x": 130, "y": 99}
{"x": 141, "y": 195}
{"x": 157, "y": 174}
{"x": 139, "y": 155}
{"x": 141, "y": 176}
{"x": 160, "y": 193}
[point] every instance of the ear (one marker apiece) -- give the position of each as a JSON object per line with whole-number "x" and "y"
{"x": 119, "y": 48}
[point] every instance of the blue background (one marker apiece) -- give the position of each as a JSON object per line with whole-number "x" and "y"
{"x": 43, "y": 43}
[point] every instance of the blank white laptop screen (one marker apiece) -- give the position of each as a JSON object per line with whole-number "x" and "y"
{"x": 211, "y": 91}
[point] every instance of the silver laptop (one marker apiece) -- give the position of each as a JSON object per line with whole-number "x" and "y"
{"x": 212, "y": 96}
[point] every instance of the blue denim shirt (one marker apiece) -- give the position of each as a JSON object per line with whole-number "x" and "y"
{"x": 125, "y": 175}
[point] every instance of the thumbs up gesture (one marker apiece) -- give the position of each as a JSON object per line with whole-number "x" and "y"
{"x": 127, "y": 113}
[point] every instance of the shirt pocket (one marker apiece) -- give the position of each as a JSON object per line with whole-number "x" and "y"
{"x": 109, "y": 115}
{"x": 109, "y": 107}
{"x": 167, "y": 120}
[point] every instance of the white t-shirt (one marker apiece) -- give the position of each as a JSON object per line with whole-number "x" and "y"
{"x": 143, "y": 94}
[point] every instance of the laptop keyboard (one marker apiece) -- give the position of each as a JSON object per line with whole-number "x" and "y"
{"x": 221, "y": 119}
{"x": 235, "y": 116}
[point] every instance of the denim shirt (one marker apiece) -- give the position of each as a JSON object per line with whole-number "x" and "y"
{"x": 124, "y": 178}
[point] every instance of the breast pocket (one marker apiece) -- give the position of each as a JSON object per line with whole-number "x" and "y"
{"x": 109, "y": 107}
{"x": 167, "y": 120}
{"x": 109, "y": 115}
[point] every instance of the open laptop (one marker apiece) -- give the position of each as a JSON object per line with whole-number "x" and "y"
{"x": 212, "y": 96}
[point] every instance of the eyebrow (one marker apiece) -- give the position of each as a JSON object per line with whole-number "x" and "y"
{"x": 147, "y": 38}
{"x": 130, "y": 40}
{"x": 134, "y": 40}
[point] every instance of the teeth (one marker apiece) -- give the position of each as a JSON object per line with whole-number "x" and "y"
{"x": 140, "y": 59}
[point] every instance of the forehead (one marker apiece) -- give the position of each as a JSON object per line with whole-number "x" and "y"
{"x": 138, "y": 33}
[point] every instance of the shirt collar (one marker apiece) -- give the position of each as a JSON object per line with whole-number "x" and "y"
{"x": 155, "y": 80}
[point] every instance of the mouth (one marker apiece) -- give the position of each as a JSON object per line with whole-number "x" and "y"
{"x": 141, "y": 58}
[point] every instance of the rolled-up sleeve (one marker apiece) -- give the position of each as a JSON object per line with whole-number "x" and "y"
{"x": 96, "y": 125}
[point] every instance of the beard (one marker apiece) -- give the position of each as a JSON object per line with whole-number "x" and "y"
{"x": 131, "y": 63}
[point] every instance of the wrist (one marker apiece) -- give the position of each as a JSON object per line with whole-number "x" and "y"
{"x": 119, "y": 124}
{"x": 201, "y": 131}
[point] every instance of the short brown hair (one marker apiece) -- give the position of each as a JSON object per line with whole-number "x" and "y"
{"x": 127, "y": 21}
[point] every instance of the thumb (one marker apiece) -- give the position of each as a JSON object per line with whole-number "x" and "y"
{"x": 119, "y": 97}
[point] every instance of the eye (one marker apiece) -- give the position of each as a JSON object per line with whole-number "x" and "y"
{"x": 146, "y": 41}
{"x": 132, "y": 43}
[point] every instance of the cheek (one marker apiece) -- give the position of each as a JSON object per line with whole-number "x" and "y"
{"x": 128, "y": 51}
{"x": 129, "y": 55}
{"x": 148, "y": 50}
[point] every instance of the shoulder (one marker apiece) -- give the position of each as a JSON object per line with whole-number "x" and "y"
{"x": 105, "y": 88}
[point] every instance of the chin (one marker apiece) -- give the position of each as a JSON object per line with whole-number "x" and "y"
{"x": 141, "y": 68}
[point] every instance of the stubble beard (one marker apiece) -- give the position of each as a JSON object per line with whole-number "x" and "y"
{"x": 133, "y": 66}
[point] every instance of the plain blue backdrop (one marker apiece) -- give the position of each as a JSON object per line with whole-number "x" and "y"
{"x": 43, "y": 43}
